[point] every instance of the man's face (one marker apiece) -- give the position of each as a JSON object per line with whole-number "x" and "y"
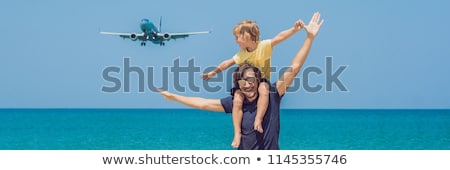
{"x": 249, "y": 85}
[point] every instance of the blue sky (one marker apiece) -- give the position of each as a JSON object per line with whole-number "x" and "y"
{"x": 395, "y": 54}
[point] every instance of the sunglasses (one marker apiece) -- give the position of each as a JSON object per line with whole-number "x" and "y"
{"x": 247, "y": 80}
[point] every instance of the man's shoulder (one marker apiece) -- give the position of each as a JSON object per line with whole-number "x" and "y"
{"x": 273, "y": 86}
{"x": 274, "y": 90}
{"x": 227, "y": 104}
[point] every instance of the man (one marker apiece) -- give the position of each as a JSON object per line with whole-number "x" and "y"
{"x": 246, "y": 78}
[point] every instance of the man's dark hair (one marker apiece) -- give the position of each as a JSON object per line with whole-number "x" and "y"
{"x": 239, "y": 73}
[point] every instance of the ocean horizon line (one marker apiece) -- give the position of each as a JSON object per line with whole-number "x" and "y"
{"x": 142, "y": 108}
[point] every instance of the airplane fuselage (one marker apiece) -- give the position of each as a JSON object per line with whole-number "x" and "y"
{"x": 153, "y": 34}
{"x": 150, "y": 30}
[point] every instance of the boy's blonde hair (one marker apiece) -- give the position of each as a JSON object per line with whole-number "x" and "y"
{"x": 248, "y": 29}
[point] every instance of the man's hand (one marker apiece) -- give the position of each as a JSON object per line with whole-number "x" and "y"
{"x": 167, "y": 95}
{"x": 314, "y": 26}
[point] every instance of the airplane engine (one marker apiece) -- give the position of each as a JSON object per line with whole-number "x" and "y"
{"x": 133, "y": 37}
{"x": 166, "y": 36}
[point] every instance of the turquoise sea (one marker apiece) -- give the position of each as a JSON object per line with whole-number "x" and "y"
{"x": 188, "y": 129}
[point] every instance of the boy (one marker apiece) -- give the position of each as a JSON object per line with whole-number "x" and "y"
{"x": 259, "y": 54}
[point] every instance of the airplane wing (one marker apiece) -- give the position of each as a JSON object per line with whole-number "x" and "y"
{"x": 132, "y": 36}
{"x": 180, "y": 35}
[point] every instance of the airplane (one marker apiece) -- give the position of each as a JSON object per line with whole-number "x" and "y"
{"x": 153, "y": 34}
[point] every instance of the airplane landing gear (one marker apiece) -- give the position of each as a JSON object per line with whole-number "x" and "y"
{"x": 142, "y": 43}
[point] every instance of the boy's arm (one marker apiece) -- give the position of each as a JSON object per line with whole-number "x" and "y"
{"x": 288, "y": 76}
{"x": 194, "y": 102}
{"x": 298, "y": 25}
{"x": 222, "y": 66}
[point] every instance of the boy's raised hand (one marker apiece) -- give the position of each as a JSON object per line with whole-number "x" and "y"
{"x": 298, "y": 25}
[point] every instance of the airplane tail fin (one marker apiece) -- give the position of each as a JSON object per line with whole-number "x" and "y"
{"x": 160, "y": 21}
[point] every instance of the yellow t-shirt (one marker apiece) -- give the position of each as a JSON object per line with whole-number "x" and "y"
{"x": 260, "y": 57}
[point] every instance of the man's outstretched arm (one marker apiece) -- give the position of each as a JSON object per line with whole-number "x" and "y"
{"x": 288, "y": 76}
{"x": 194, "y": 102}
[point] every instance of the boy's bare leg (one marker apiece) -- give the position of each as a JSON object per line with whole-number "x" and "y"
{"x": 237, "y": 118}
{"x": 263, "y": 102}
